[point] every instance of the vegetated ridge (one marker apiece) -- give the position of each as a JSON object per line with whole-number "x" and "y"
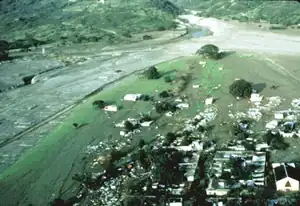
{"x": 33, "y": 23}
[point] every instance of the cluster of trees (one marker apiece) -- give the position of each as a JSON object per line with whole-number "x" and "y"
{"x": 167, "y": 170}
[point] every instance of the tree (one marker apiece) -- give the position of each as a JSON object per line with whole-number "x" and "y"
{"x": 168, "y": 78}
{"x": 99, "y": 103}
{"x": 164, "y": 94}
{"x": 142, "y": 143}
{"x": 209, "y": 51}
{"x": 129, "y": 126}
{"x": 240, "y": 88}
{"x": 152, "y": 73}
{"x": 170, "y": 137}
{"x": 164, "y": 106}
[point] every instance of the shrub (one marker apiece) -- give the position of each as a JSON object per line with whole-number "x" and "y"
{"x": 145, "y": 97}
{"x": 129, "y": 126}
{"x": 164, "y": 107}
{"x": 170, "y": 137}
{"x": 145, "y": 118}
{"x": 209, "y": 51}
{"x": 152, "y": 73}
{"x": 142, "y": 143}
{"x": 240, "y": 88}
{"x": 99, "y": 103}
{"x": 164, "y": 94}
{"x": 169, "y": 78}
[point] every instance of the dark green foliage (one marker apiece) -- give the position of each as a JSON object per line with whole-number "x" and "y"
{"x": 145, "y": 118}
{"x": 167, "y": 170}
{"x": 164, "y": 94}
{"x": 170, "y": 137}
{"x": 143, "y": 158}
{"x": 152, "y": 73}
{"x": 169, "y": 78}
{"x": 276, "y": 141}
{"x": 145, "y": 97}
{"x": 99, "y": 103}
{"x": 142, "y": 143}
{"x": 129, "y": 127}
{"x": 209, "y": 51}
{"x": 164, "y": 107}
{"x": 240, "y": 88}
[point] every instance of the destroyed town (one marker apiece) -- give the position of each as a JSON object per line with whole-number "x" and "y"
{"x": 149, "y": 103}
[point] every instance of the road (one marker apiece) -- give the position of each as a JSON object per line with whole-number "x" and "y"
{"x": 58, "y": 89}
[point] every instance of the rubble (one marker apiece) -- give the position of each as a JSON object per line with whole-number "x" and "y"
{"x": 254, "y": 113}
{"x": 256, "y": 98}
{"x": 272, "y": 124}
{"x": 296, "y": 103}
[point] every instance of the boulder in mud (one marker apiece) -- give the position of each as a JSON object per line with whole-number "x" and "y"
{"x": 4, "y": 47}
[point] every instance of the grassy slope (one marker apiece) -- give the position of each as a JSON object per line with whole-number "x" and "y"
{"x": 276, "y": 12}
{"x": 82, "y": 21}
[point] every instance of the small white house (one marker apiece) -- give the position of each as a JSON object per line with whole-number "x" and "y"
{"x": 209, "y": 101}
{"x": 182, "y": 105}
{"x": 286, "y": 177}
{"x": 111, "y": 108}
{"x": 132, "y": 97}
{"x": 256, "y": 98}
{"x": 278, "y": 115}
{"x": 146, "y": 124}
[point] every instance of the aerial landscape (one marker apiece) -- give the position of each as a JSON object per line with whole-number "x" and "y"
{"x": 149, "y": 102}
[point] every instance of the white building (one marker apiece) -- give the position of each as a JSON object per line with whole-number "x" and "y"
{"x": 110, "y": 108}
{"x": 256, "y": 98}
{"x": 286, "y": 176}
{"x": 209, "y": 101}
{"x": 132, "y": 97}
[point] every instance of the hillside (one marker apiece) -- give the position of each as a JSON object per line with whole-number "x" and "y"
{"x": 275, "y": 12}
{"x": 82, "y": 21}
